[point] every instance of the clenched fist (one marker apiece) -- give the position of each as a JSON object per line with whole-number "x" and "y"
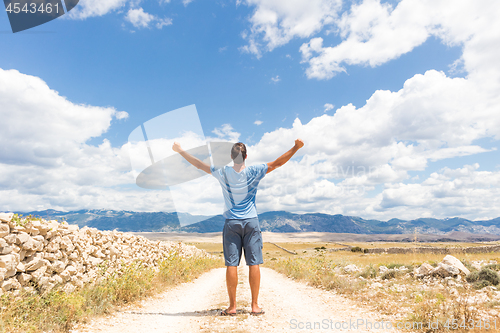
{"x": 299, "y": 143}
{"x": 177, "y": 147}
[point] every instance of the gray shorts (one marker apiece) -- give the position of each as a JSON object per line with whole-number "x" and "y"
{"x": 238, "y": 234}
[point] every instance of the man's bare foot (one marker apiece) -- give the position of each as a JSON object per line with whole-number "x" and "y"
{"x": 256, "y": 309}
{"x": 228, "y": 312}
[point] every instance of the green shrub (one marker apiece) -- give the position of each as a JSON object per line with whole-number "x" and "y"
{"x": 394, "y": 265}
{"x": 390, "y": 274}
{"x": 493, "y": 267}
{"x": 489, "y": 275}
{"x": 472, "y": 277}
{"x": 483, "y": 278}
{"x": 481, "y": 284}
{"x": 356, "y": 249}
{"x": 369, "y": 272}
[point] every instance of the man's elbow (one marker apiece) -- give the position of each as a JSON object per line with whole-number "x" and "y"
{"x": 274, "y": 166}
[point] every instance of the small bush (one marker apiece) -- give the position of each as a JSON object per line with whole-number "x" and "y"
{"x": 483, "y": 278}
{"x": 468, "y": 265}
{"x": 369, "y": 272}
{"x": 365, "y": 250}
{"x": 472, "y": 277}
{"x": 433, "y": 263}
{"x": 394, "y": 265}
{"x": 390, "y": 274}
{"x": 493, "y": 267}
{"x": 490, "y": 276}
{"x": 356, "y": 249}
{"x": 481, "y": 284}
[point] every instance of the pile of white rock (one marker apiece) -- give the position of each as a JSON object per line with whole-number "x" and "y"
{"x": 449, "y": 266}
{"x": 36, "y": 252}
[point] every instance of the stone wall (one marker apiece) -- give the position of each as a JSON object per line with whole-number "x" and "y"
{"x": 48, "y": 253}
{"x": 437, "y": 250}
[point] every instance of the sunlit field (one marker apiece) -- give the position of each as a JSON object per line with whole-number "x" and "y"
{"x": 396, "y": 294}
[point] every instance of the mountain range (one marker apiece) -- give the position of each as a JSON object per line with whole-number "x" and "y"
{"x": 277, "y": 221}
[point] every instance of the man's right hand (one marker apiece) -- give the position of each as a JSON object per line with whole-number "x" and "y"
{"x": 299, "y": 143}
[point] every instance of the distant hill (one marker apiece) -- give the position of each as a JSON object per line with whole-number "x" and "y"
{"x": 279, "y": 221}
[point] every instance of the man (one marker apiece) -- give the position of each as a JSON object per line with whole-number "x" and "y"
{"x": 241, "y": 229}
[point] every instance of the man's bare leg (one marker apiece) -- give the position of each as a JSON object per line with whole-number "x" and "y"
{"x": 231, "y": 282}
{"x": 254, "y": 279}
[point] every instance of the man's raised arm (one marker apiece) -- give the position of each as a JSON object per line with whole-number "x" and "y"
{"x": 285, "y": 157}
{"x": 190, "y": 158}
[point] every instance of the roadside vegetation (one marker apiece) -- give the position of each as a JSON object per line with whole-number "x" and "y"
{"x": 387, "y": 284}
{"x": 57, "y": 311}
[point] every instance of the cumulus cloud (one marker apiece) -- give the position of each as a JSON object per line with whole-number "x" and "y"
{"x": 44, "y": 153}
{"x": 258, "y": 122}
{"x": 43, "y": 124}
{"x": 135, "y": 14}
{"x": 47, "y": 162}
{"x": 276, "y": 79}
{"x": 328, "y": 107}
{"x": 466, "y": 192}
{"x": 433, "y": 117}
{"x": 226, "y": 132}
{"x": 276, "y": 22}
{"x": 373, "y": 32}
{"x": 141, "y": 19}
{"x": 91, "y": 8}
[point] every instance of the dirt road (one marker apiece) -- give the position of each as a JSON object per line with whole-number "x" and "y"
{"x": 194, "y": 307}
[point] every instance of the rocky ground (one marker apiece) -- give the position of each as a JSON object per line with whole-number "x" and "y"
{"x": 445, "y": 288}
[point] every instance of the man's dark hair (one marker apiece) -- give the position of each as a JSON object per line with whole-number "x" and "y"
{"x": 239, "y": 152}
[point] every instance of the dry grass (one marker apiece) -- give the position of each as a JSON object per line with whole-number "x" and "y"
{"x": 58, "y": 311}
{"x": 371, "y": 245}
{"x": 402, "y": 297}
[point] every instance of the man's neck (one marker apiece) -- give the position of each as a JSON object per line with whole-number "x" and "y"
{"x": 239, "y": 167}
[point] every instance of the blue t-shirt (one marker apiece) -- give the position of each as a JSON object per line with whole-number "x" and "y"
{"x": 239, "y": 190}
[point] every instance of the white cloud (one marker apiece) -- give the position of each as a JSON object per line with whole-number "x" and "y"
{"x": 92, "y": 8}
{"x": 141, "y": 19}
{"x": 226, "y": 132}
{"x": 276, "y": 22}
{"x": 465, "y": 192}
{"x": 328, "y": 107}
{"x": 374, "y": 33}
{"x": 433, "y": 117}
{"x": 258, "y": 122}
{"x": 276, "y": 79}
{"x": 187, "y": 2}
{"x": 44, "y": 158}
{"x": 43, "y": 124}
{"x": 160, "y": 23}
{"x": 134, "y": 14}
{"x": 46, "y": 162}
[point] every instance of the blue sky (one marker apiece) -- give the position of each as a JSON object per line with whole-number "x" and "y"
{"x": 428, "y": 132}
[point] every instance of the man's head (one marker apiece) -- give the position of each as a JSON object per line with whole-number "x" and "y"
{"x": 239, "y": 153}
